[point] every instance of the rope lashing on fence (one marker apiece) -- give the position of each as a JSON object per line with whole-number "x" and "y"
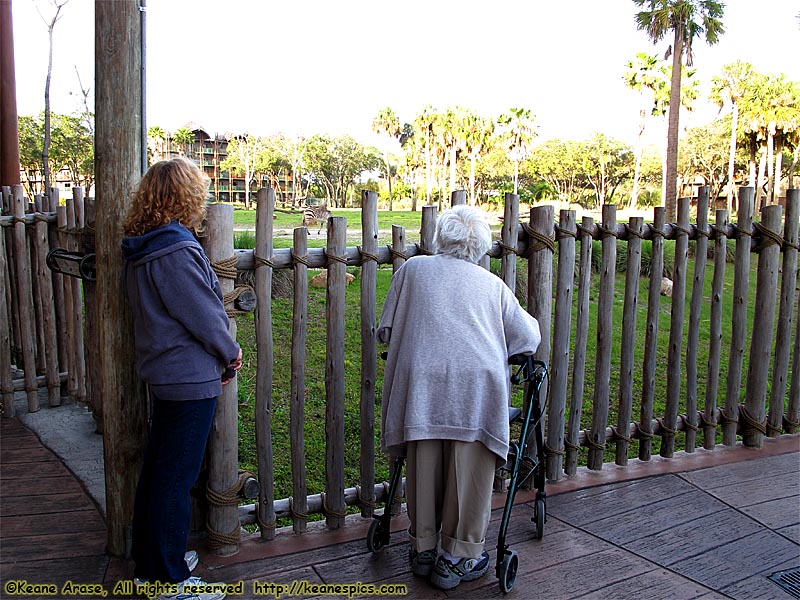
{"x": 265, "y": 525}
{"x": 296, "y": 514}
{"x": 367, "y": 256}
{"x": 739, "y": 232}
{"x": 229, "y": 497}
{"x": 789, "y": 425}
{"x": 688, "y": 424}
{"x": 585, "y": 231}
{"x": 396, "y": 253}
{"x": 296, "y": 258}
{"x": 571, "y": 446}
{"x": 683, "y": 230}
{"x": 654, "y": 233}
{"x": 643, "y": 434}
{"x": 506, "y": 248}
{"x": 562, "y": 232}
{"x": 425, "y": 251}
{"x": 665, "y": 429}
{"x": 749, "y": 424}
{"x": 592, "y": 443}
{"x": 550, "y": 451}
{"x": 706, "y": 422}
{"x": 768, "y": 237}
{"x": 606, "y": 232}
{"x": 619, "y": 436}
{"x": 40, "y": 218}
{"x": 704, "y": 232}
{"x": 542, "y": 241}
{"x": 263, "y": 262}
{"x": 226, "y": 269}
{"x": 331, "y": 513}
{"x": 633, "y": 233}
{"x": 365, "y": 502}
{"x": 726, "y": 419}
{"x": 332, "y": 258}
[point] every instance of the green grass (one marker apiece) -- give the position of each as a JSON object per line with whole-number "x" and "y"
{"x": 315, "y": 368}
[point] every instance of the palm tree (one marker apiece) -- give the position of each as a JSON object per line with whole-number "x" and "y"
{"x": 158, "y": 135}
{"x": 478, "y": 133}
{"x": 642, "y": 74}
{"x": 423, "y": 126}
{"x": 686, "y": 19}
{"x": 184, "y": 137}
{"x": 731, "y": 86}
{"x": 518, "y": 134}
{"x": 387, "y": 123}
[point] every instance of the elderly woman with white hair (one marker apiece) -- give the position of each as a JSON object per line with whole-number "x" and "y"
{"x": 451, "y": 327}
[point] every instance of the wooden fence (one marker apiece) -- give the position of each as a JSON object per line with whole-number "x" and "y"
{"x": 44, "y": 334}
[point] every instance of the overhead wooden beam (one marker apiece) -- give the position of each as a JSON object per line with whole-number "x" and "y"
{"x": 9, "y": 133}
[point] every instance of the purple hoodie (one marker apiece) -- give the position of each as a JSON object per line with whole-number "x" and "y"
{"x": 180, "y": 325}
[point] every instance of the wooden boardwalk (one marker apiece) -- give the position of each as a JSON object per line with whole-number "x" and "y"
{"x": 707, "y": 525}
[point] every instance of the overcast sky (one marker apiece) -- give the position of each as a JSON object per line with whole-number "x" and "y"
{"x": 316, "y": 66}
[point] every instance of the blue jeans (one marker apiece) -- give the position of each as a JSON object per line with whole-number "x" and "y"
{"x": 162, "y": 509}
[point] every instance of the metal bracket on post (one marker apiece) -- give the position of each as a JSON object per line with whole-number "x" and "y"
{"x": 72, "y": 264}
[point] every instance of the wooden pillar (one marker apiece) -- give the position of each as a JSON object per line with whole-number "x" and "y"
{"x": 299, "y": 506}
{"x": 509, "y": 236}
{"x": 118, "y": 92}
{"x": 265, "y": 209}
{"x": 6, "y": 383}
{"x": 741, "y": 289}
{"x": 25, "y": 300}
{"x": 698, "y": 283}
{"x": 596, "y": 439}
{"x": 369, "y": 347}
{"x": 559, "y": 370}
{"x": 9, "y": 135}
{"x": 223, "y": 442}
{"x": 753, "y": 414}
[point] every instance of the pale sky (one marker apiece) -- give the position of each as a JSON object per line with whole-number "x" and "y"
{"x": 317, "y": 66}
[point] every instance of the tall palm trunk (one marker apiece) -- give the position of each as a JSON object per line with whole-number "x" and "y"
{"x": 388, "y": 176}
{"x": 472, "y": 159}
{"x": 674, "y": 116}
{"x": 770, "y": 194}
{"x": 732, "y": 157}
{"x": 638, "y": 154}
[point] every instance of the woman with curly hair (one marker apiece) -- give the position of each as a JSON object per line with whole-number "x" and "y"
{"x": 184, "y": 353}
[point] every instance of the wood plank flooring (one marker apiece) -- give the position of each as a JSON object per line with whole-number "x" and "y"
{"x": 706, "y": 527}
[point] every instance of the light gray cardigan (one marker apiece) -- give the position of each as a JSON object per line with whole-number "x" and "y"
{"x": 451, "y": 326}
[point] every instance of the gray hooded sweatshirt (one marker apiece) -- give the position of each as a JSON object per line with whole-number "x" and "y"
{"x": 451, "y": 327}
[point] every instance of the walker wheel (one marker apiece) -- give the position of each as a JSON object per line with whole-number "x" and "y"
{"x": 539, "y": 515}
{"x": 377, "y": 537}
{"x": 508, "y": 571}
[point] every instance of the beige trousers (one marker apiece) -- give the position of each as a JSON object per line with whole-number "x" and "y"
{"x": 449, "y": 495}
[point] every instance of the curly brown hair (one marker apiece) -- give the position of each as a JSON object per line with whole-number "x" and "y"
{"x": 171, "y": 190}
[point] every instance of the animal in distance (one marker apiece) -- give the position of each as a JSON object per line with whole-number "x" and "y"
{"x": 316, "y": 215}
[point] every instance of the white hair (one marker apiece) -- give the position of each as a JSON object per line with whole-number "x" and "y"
{"x": 462, "y": 232}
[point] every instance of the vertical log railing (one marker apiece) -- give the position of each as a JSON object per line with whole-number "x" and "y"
{"x": 760, "y": 414}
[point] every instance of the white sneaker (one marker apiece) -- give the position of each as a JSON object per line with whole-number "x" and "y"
{"x": 191, "y": 557}
{"x": 195, "y": 588}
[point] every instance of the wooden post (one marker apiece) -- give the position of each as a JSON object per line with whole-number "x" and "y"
{"x": 58, "y": 298}
{"x": 458, "y": 197}
{"x": 69, "y": 321}
{"x": 50, "y": 350}
{"x": 645, "y": 432}
{"x": 74, "y": 224}
{"x": 299, "y": 505}
{"x": 669, "y": 424}
{"x": 753, "y": 414}
{"x": 6, "y": 383}
{"x": 265, "y": 209}
{"x": 334, "y": 505}
{"x": 741, "y": 289}
{"x": 793, "y": 409}
{"x": 634, "y": 265}
{"x": 118, "y": 94}
{"x": 605, "y": 316}
{"x": 783, "y": 340}
{"x": 695, "y": 307}
{"x": 9, "y": 134}
{"x": 571, "y": 443}
{"x": 26, "y": 325}
{"x": 427, "y": 230}
{"x": 398, "y": 248}
{"x": 91, "y": 356}
{"x": 12, "y": 293}
{"x": 369, "y": 347}
{"x": 559, "y": 369}
{"x": 509, "y": 235}
{"x": 223, "y": 442}
{"x": 715, "y": 332}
